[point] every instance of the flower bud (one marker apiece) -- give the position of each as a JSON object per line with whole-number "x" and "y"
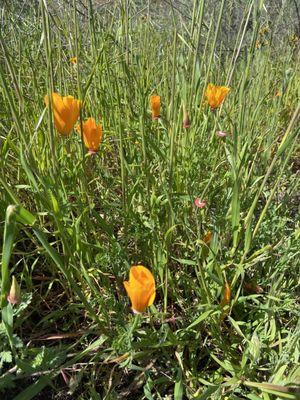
{"x": 14, "y": 296}
{"x": 207, "y": 237}
{"x": 155, "y": 106}
{"x": 221, "y": 134}
{"x": 186, "y": 120}
{"x": 199, "y": 203}
{"x": 226, "y": 295}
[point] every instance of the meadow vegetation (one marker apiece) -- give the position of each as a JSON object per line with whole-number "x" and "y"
{"x": 205, "y": 195}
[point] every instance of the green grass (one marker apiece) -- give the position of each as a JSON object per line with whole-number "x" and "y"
{"x": 80, "y": 222}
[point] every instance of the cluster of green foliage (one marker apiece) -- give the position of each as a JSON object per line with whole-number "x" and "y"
{"x": 72, "y": 224}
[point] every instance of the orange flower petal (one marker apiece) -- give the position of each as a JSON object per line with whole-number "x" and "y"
{"x": 215, "y": 95}
{"x": 140, "y": 288}
{"x": 65, "y": 112}
{"x": 155, "y": 106}
{"x": 92, "y": 134}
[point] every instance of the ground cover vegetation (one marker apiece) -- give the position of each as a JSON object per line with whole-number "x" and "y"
{"x": 149, "y": 200}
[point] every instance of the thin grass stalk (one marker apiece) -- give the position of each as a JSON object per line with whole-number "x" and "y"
{"x": 63, "y": 268}
{"x": 213, "y": 49}
{"x": 118, "y": 125}
{"x": 8, "y": 240}
{"x": 283, "y": 144}
{"x": 191, "y": 141}
{"x": 235, "y": 203}
{"x": 173, "y": 131}
{"x": 83, "y": 178}
{"x": 13, "y": 110}
{"x": 194, "y": 17}
{"x": 144, "y": 149}
{"x": 78, "y": 81}
{"x": 249, "y": 216}
{"x": 11, "y": 70}
{"x": 50, "y": 82}
{"x": 236, "y": 53}
{"x": 196, "y": 50}
{"x": 91, "y": 16}
{"x": 286, "y": 159}
{"x": 171, "y": 167}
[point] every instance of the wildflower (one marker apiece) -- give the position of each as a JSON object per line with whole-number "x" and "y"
{"x": 73, "y": 60}
{"x": 221, "y": 134}
{"x": 14, "y": 296}
{"x": 186, "y": 120}
{"x": 140, "y": 288}
{"x": 226, "y": 295}
{"x": 207, "y": 237}
{"x": 278, "y": 93}
{"x": 155, "y": 106}
{"x": 216, "y": 94}
{"x": 66, "y": 112}
{"x": 199, "y": 203}
{"x": 92, "y": 134}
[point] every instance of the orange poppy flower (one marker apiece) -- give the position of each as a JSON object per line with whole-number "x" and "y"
{"x": 140, "y": 288}
{"x": 216, "y": 94}
{"x": 92, "y": 134}
{"x": 65, "y": 111}
{"x": 155, "y": 106}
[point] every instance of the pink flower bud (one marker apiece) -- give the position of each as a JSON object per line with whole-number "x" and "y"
{"x": 221, "y": 134}
{"x": 186, "y": 120}
{"x": 199, "y": 203}
{"x": 14, "y": 296}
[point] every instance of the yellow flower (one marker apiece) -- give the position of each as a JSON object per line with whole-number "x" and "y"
{"x": 65, "y": 111}
{"x": 92, "y": 134}
{"x": 216, "y": 94}
{"x": 140, "y": 288}
{"x": 278, "y": 93}
{"x": 73, "y": 60}
{"x": 155, "y": 106}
